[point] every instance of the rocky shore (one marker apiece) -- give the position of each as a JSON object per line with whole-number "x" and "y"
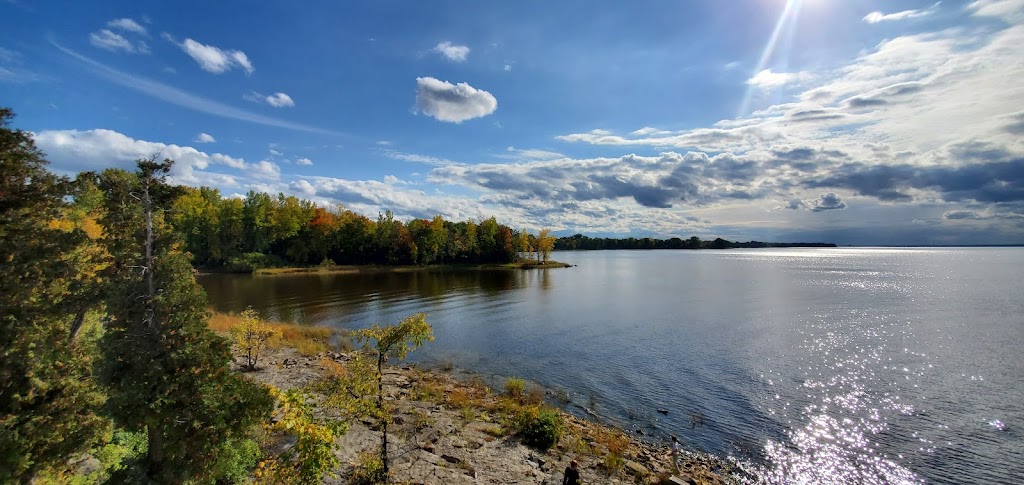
{"x": 447, "y": 430}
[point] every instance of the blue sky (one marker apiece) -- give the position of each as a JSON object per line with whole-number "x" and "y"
{"x": 851, "y": 122}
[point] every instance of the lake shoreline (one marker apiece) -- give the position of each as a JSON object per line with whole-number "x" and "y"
{"x": 350, "y": 269}
{"x": 452, "y": 433}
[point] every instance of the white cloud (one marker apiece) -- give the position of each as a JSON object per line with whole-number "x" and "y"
{"x": 73, "y": 151}
{"x": 417, "y": 158}
{"x": 876, "y": 16}
{"x": 214, "y": 59}
{"x": 531, "y": 154}
{"x": 205, "y": 138}
{"x": 453, "y": 103}
{"x": 1009, "y": 10}
{"x": 768, "y": 79}
{"x": 452, "y": 52}
{"x": 178, "y": 97}
{"x": 127, "y": 25}
{"x": 280, "y": 100}
{"x": 303, "y": 187}
{"x": 105, "y": 39}
{"x": 508, "y": 67}
{"x": 277, "y": 100}
{"x": 265, "y": 169}
{"x": 304, "y": 161}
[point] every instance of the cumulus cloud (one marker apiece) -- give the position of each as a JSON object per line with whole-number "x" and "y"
{"x": 277, "y": 100}
{"x": 106, "y": 39}
{"x": 205, "y": 138}
{"x": 827, "y": 202}
{"x": 280, "y": 100}
{"x": 768, "y": 79}
{"x": 876, "y": 16}
{"x": 304, "y": 161}
{"x": 127, "y": 25}
{"x": 214, "y": 59}
{"x": 452, "y": 52}
{"x": 453, "y": 103}
{"x": 265, "y": 169}
{"x": 74, "y": 151}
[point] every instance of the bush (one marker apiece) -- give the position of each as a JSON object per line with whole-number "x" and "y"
{"x": 251, "y": 335}
{"x": 369, "y": 471}
{"x": 515, "y": 386}
{"x": 250, "y": 262}
{"x": 236, "y": 458}
{"x": 544, "y": 430}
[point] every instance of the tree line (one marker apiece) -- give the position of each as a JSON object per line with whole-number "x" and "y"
{"x": 579, "y": 241}
{"x": 264, "y": 230}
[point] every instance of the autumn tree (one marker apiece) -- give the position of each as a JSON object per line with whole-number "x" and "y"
{"x": 545, "y": 244}
{"x": 389, "y": 341}
{"x": 48, "y": 398}
{"x": 251, "y": 335}
{"x": 165, "y": 371}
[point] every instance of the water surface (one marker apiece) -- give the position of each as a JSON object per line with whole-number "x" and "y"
{"x": 818, "y": 366}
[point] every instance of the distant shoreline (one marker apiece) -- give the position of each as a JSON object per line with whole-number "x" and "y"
{"x": 349, "y": 269}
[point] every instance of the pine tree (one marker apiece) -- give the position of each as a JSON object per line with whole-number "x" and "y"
{"x": 48, "y": 397}
{"x": 166, "y": 372}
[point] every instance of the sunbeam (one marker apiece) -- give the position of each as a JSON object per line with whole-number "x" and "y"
{"x": 786, "y": 19}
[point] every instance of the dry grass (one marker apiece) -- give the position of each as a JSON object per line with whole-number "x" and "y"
{"x": 306, "y": 340}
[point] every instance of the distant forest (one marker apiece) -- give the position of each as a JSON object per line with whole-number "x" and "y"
{"x": 580, "y": 241}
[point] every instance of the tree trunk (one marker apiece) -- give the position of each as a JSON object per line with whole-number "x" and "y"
{"x": 150, "y": 282}
{"x": 384, "y": 419}
{"x": 155, "y": 451}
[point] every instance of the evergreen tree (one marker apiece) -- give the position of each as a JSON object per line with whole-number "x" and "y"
{"x": 166, "y": 372}
{"x": 48, "y": 397}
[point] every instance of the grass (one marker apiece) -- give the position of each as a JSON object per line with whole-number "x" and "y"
{"x": 305, "y": 339}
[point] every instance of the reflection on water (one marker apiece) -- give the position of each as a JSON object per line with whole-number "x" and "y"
{"x": 816, "y": 366}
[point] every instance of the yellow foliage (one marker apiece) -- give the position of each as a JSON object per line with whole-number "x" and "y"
{"x": 251, "y": 335}
{"x": 307, "y": 340}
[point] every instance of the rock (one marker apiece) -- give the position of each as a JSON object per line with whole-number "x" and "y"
{"x": 449, "y": 458}
{"x": 399, "y": 420}
{"x": 663, "y": 411}
{"x": 636, "y": 468}
{"x": 428, "y": 446}
{"x": 538, "y": 460}
{"x": 682, "y": 481}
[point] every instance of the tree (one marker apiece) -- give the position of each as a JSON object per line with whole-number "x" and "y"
{"x": 251, "y": 335}
{"x": 523, "y": 242}
{"x": 165, "y": 371}
{"x": 391, "y": 341}
{"x": 48, "y": 397}
{"x": 545, "y": 243}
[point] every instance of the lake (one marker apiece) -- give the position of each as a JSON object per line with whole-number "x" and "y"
{"x": 869, "y": 365}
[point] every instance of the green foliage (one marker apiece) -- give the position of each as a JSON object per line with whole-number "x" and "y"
{"x": 369, "y": 470}
{"x": 390, "y": 341}
{"x": 251, "y": 335}
{"x": 236, "y": 458}
{"x": 514, "y": 387}
{"x": 249, "y": 262}
{"x": 543, "y": 431}
{"x": 48, "y": 398}
{"x": 164, "y": 369}
{"x": 312, "y": 456}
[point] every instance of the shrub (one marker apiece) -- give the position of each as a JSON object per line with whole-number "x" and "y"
{"x": 236, "y": 458}
{"x": 250, "y": 262}
{"x": 544, "y": 430}
{"x": 369, "y": 470}
{"x": 515, "y": 386}
{"x": 251, "y": 335}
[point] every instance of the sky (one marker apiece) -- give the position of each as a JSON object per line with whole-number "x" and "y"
{"x": 853, "y": 122}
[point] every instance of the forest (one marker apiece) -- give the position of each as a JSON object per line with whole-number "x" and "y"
{"x": 581, "y": 242}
